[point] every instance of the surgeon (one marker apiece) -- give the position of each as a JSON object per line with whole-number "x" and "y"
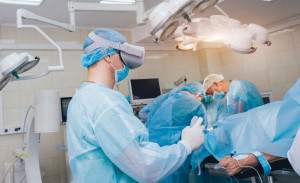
{"x": 168, "y": 114}
{"x": 241, "y": 95}
{"x": 106, "y": 142}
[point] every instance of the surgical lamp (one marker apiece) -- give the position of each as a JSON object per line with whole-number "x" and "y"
{"x": 187, "y": 45}
{"x": 240, "y": 40}
{"x": 169, "y": 15}
{"x": 172, "y": 20}
{"x": 198, "y": 27}
{"x": 14, "y": 64}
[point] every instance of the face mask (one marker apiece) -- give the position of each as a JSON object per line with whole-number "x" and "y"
{"x": 207, "y": 99}
{"x": 120, "y": 74}
{"x": 219, "y": 95}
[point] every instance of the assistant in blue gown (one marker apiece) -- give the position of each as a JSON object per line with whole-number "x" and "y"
{"x": 242, "y": 95}
{"x": 167, "y": 116}
{"x": 215, "y": 111}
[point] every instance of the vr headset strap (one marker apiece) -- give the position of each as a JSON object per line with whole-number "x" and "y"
{"x": 100, "y": 42}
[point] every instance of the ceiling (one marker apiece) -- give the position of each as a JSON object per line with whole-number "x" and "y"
{"x": 273, "y": 15}
{"x": 247, "y": 11}
{"x": 58, "y": 10}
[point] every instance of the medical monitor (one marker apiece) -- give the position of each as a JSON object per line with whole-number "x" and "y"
{"x": 64, "y": 103}
{"x": 266, "y": 97}
{"x": 142, "y": 91}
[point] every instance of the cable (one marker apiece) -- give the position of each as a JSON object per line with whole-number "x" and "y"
{"x": 228, "y": 174}
{"x": 249, "y": 167}
{"x": 218, "y": 166}
{"x": 24, "y": 124}
{"x": 22, "y": 178}
{"x": 199, "y": 168}
{"x": 12, "y": 165}
{"x": 236, "y": 179}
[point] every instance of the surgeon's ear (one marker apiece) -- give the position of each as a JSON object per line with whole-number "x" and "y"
{"x": 107, "y": 59}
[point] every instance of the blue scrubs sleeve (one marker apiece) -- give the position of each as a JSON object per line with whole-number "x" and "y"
{"x": 124, "y": 139}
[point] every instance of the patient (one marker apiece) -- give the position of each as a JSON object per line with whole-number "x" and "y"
{"x": 269, "y": 129}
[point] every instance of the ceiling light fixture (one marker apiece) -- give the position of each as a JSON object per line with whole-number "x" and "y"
{"x": 117, "y": 1}
{"x": 22, "y": 2}
{"x": 268, "y": 0}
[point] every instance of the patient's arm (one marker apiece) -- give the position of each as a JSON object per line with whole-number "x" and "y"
{"x": 233, "y": 167}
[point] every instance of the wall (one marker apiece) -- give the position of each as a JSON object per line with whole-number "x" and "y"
{"x": 275, "y": 68}
{"x": 18, "y": 96}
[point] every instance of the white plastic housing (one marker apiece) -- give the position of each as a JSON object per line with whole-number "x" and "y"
{"x": 47, "y": 111}
{"x": 260, "y": 34}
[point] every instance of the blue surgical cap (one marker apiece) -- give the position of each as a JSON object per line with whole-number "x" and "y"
{"x": 194, "y": 87}
{"x": 97, "y": 54}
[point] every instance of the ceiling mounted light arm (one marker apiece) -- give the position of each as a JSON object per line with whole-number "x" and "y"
{"x": 26, "y": 14}
{"x": 138, "y": 7}
{"x": 221, "y": 10}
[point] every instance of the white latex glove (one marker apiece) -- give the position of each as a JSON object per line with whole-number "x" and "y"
{"x": 193, "y": 135}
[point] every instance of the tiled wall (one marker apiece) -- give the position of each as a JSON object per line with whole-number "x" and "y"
{"x": 275, "y": 68}
{"x": 17, "y": 96}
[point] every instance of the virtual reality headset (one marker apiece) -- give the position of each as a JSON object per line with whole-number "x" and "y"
{"x": 132, "y": 56}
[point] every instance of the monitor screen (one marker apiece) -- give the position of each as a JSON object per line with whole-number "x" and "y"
{"x": 143, "y": 89}
{"x": 64, "y": 102}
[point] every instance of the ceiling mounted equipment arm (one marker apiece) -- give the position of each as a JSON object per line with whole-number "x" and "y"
{"x": 24, "y": 14}
{"x": 138, "y": 7}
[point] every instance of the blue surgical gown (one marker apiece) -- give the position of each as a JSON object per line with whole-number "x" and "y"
{"x": 215, "y": 111}
{"x": 270, "y": 128}
{"x": 168, "y": 116}
{"x": 107, "y": 143}
{"x": 242, "y": 95}
{"x": 152, "y": 106}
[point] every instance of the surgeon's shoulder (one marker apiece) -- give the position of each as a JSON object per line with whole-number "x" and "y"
{"x": 99, "y": 94}
{"x": 236, "y": 83}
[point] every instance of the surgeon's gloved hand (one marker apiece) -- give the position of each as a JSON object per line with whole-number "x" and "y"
{"x": 193, "y": 135}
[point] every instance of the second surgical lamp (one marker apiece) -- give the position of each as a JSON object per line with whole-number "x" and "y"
{"x": 173, "y": 20}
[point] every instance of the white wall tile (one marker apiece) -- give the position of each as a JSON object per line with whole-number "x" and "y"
{"x": 281, "y": 59}
{"x": 10, "y": 99}
{"x": 63, "y": 36}
{"x": 261, "y": 79}
{"x": 279, "y": 90}
{"x": 11, "y": 117}
{"x": 280, "y": 43}
{"x": 8, "y": 33}
{"x": 284, "y": 75}
{"x": 254, "y": 64}
{"x": 229, "y": 57}
{"x": 296, "y": 38}
{"x": 298, "y": 55}
{"x": 30, "y": 35}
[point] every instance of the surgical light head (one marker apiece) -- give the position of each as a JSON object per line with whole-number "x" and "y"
{"x": 105, "y": 42}
{"x": 15, "y": 64}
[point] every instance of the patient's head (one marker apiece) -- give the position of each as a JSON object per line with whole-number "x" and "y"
{"x": 195, "y": 89}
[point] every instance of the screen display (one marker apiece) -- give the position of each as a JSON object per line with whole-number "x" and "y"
{"x": 145, "y": 88}
{"x": 64, "y": 107}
